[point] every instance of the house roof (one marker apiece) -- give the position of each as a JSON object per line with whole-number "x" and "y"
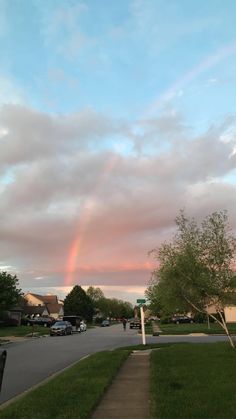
{"x": 54, "y": 308}
{"x": 46, "y": 299}
{"x": 34, "y": 310}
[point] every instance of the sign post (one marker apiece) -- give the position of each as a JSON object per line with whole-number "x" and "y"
{"x": 141, "y": 302}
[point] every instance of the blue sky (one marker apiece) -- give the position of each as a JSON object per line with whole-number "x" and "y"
{"x": 103, "y": 104}
{"x": 119, "y": 57}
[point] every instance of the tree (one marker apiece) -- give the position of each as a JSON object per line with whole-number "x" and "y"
{"x": 78, "y": 303}
{"x": 95, "y": 294}
{"x": 112, "y": 307}
{"x": 195, "y": 269}
{"x": 9, "y": 291}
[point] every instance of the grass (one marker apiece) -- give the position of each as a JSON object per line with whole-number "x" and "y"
{"x": 23, "y": 330}
{"x": 193, "y": 382}
{"x": 142, "y": 347}
{"x": 182, "y": 329}
{"x": 176, "y": 329}
{"x": 73, "y": 394}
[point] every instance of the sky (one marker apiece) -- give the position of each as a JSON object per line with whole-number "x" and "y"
{"x": 114, "y": 115}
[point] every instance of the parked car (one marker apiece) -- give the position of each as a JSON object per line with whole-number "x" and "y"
{"x": 135, "y": 323}
{"x": 42, "y": 321}
{"x": 83, "y": 326}
{"x": 75, "y": 322}
{"x": 182, "y": 319}
{"x": 105, "y": 323}
{"x": 61, "y": 328}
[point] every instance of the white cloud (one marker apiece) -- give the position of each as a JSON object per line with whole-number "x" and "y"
{"x": 71, "y": 189}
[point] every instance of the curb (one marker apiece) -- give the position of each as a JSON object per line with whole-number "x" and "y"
{"x": 24, "y": 339}
{"x": 41, "y": 383}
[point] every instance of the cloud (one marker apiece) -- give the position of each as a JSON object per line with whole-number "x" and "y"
{"x": 69, "y": 185}
{"x": 32, "y": 135}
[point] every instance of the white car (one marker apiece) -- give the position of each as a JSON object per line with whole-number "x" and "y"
{"x": 83, "y": 326}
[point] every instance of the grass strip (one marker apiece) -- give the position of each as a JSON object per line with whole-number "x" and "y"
{"x": 23, "y": 330}
{"x": 193, "y": 381}
{"x": 73, "y": 394}
{"x": 178, "y": 329}
{"x": 141, "y": 347}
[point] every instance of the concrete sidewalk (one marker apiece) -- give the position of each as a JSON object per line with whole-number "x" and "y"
{"x": 128, "y": 395}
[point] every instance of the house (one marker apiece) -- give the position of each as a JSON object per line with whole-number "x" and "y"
{"x": 230, "y": 314}
{"x": 31, "y": 311}
{"x": 43, "y": 305}
{"x": 228, "y": 310}
{"x": 13, "y": 316}
{"x": 55, "y": 310}
{"x": 39, "y": 300}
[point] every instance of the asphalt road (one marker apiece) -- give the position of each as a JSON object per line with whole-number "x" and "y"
{"x": 31, "y": 361}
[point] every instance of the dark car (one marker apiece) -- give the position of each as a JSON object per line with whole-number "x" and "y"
{"x": 182, "y": 319}
{"x": 41, "y": 321}
{"x": 44, "y": 321}
{"x": 26, "y": 321}
{"x": 105, "y": 323}
{"x": 135, "y": 323}
{"x": 61, "y": 328}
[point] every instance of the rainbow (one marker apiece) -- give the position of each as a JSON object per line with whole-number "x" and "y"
{"x": 209, "y": 62}
{"x": 85, "y": 218}
{"x": 86, "y": 214}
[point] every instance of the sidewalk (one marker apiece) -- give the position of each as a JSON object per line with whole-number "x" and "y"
{"x": 128, "y": 395}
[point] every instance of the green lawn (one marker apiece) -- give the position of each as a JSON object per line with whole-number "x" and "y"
{"x": 185, "y": 329}
{"x": 23, "y": 330}
{"x": 73, "y": 394}
{"x": 175, "y": 329}
{"x": 193, "y": 381}
{"x": 188, "y": 381}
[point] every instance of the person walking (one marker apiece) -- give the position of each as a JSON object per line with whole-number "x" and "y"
{"x": 124, "y": 321}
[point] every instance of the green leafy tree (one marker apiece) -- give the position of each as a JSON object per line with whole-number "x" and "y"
{"x": 195, "y": 270}
{"x": 112, "y": 307}
{"x": 9, "y": 291}
{"x": 95, "y": 293}
{"x": 155, "y": 303}
{"x": 78, "y": 303}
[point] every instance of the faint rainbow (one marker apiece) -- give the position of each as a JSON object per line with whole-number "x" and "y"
{"x": 184, "y": 80}
{"x": 166, "y": 96}
{"x": 84, "y": 221}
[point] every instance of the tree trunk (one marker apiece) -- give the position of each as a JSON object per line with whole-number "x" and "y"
{"x": 221, "y": 323}
{"x": 208, "y": 322}
{"x": 232, "y": 343}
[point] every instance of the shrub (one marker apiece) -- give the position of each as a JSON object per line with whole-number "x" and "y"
{"x": 165, "y": 319}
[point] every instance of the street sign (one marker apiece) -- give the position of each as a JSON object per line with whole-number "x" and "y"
{"x": 141, "y": 301}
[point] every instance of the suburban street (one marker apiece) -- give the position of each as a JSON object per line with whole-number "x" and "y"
{"x": 31, "y": 361}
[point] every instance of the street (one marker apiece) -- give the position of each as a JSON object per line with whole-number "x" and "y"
{"x": 31, "y": 361}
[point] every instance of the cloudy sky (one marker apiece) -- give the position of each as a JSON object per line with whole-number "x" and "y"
{"x": 113, "y": 116}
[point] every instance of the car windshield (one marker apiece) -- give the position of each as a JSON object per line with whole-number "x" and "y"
{"x": 59, "y": 324}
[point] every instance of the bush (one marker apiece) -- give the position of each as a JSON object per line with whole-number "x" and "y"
{"x": 10, "y": 322}
{"x": 200, "y": 318}
{"x": 165, "y": 319}
{"x": 98, "y": 320}
{"x": 217, "y": 316}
